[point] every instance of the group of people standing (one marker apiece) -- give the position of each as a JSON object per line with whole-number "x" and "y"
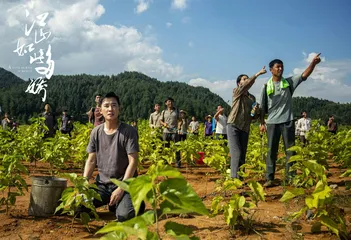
{"x": 66, "y": 124}
{"x": 275, "y": 102}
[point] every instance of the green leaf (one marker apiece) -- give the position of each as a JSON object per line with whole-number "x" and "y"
{"x": 137, "y": 226}
{"x": 168, "y": 171}
{"x": 169, "y": 208}
{"x": 257, "y": 189}
{"x": 290, "y": 194}
{"x": 329, "y": 223}
{"x": 182, "y": 195}
{"x": 298, "y": 214}
{"x": 316, "y": 227}
{"x": 176, "y": 229}
{"x": 85, "y": 218}
{"x": 122, "y": 184}
{"x": 347, "y": 173}
{"x": 138, "y": 190}
{"x": 241, "y": 202}
{"x": 114, "y": 236}
{"x": 314, "y": 167}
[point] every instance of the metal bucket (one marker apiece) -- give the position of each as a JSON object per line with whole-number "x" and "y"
{"x": 45, "y": 195}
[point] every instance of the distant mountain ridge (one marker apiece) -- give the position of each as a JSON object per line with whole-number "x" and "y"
{"x": 138, "y": 94}
{"x": 7, "y": 78}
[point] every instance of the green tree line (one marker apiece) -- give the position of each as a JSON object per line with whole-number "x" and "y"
{"x": 138, "y": 94}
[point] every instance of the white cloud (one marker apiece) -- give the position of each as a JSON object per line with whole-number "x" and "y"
{"x": 190, "y": 44}
{"x": 168, "y": 24}
{"x": 179, "y": 4}
{"x": 142, "y": 6}
{"x": 224, "y": 88}
{"x": 330, "y": 80}
{"x": 80, "y": 45}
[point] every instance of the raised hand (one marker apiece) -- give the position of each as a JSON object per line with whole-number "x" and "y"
{"x": 262, "y": 71}
{"x": 316, "y": 59}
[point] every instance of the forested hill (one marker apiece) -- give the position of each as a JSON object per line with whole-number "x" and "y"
{"x": 137, "y": 92}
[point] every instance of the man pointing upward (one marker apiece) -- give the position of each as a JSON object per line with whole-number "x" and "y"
{"x": 276, "y": 101}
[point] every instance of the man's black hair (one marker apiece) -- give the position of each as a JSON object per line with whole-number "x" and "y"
{"x": 109, "y": 95}
{"x": 65, "y": 110}
{"x": 271, "y": 64}
{"x": 239, "y": 78}
{"x": 169, "y": 98}
{"x": 303, "y": 112}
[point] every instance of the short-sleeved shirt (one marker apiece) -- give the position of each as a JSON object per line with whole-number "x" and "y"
{"x": 154, "y": 120}
{"x": 171, "y": 118}
{"x": 208, "y": 128}
{"x": 280, "y": 102}
{"x": 194, "y": 125}
{"x": 221, "y": 125}
{"x": 112, "y": 150}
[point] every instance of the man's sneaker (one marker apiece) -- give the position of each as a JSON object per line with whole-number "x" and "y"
{"x": 268, "y": 184}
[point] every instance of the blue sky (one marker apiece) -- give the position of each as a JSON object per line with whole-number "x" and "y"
{"x": 201, "y": 42}
{"x": 231, "y": 36}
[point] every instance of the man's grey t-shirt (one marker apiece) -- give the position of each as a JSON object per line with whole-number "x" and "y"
{"x": 280, "y": 102}
{"x": 112, "y": 150}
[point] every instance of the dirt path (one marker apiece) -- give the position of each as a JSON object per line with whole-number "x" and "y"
{"x": 269, "y": 219}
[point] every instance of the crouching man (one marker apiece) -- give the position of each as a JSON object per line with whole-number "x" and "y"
{"x": 114, "y": 148}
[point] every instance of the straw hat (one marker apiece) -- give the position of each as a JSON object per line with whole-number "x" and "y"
{"x": 182, "y": 111}
{"x": 208, "y": 116}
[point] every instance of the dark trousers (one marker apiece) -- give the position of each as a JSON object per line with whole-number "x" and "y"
{"x": 303, "y": 140}
{"x": 124, "y": 209}
{"x": 66, "y": 132}
{"x": 174, "y": 137}
{"x": 237, "y": 141}
{"x": 274, "y": 131}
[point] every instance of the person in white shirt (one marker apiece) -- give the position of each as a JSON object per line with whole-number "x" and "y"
{"x": 194, "y": 126}
{"x": 303, "y": 126}
{"x": 221, "y": 119}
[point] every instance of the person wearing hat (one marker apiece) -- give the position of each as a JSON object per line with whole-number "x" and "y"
{"x": 169, "y": 121}
{"x": 208, "y": 126}
{"x": 239, "y": 120}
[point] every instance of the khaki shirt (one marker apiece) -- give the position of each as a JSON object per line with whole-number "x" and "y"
{"x": 171, "y": 119}
{"x": 154, "y": 120}
{"x": 240, "y": 115}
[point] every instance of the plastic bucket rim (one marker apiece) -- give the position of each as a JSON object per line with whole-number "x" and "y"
{"x": 49, "y": 178}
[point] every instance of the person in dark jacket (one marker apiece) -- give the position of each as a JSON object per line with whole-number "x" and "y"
{"x": 50, "y": 121}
